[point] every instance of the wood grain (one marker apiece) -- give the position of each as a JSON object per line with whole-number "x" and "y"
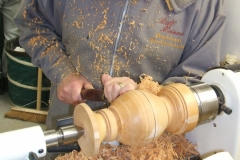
{"x": 138, "y": 117}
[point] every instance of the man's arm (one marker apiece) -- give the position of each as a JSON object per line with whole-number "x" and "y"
{"x": 202, "y": 50}
{"x": 42, "y": 40}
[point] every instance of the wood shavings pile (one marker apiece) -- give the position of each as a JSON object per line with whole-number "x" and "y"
{"x": 147, "y": 84}
{"x": 167, "y": 147}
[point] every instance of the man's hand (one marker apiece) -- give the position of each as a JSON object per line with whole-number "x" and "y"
{"x": 113, "y": 87}
{"x": 70, "y": 88}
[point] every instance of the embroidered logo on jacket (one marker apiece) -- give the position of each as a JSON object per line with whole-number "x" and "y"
{"x": 168, "y": 24}
{"x": 168, "y": 36}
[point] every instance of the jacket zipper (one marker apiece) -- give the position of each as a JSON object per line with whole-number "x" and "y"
{"x": 119, "y": 35}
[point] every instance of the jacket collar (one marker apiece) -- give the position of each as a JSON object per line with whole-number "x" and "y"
{"x": 179, "y": 5}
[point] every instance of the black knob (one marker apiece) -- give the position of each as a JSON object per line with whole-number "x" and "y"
{"x": 226, "y": 109}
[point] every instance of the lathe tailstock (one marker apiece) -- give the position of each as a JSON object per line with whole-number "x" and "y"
{"x": 223, "y": 133}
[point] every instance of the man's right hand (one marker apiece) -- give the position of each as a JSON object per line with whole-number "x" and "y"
{"x": 70, "y": 88}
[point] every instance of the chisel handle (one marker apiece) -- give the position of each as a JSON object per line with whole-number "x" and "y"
{"x": 93, "y": 94}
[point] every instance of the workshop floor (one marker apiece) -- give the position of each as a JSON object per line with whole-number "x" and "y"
{"x": 7, "y": 124}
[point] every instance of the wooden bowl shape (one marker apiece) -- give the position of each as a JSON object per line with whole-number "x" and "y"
{"x": 137, "y": 117}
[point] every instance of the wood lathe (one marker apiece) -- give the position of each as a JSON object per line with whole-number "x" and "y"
{"x": 202, "y": 110}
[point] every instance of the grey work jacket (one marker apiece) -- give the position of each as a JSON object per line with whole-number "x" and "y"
{"x": 123, "y": 38}
{"x": 172, "y": 42}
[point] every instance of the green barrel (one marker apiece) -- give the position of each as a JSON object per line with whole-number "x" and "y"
{"x": 23, "y": 78}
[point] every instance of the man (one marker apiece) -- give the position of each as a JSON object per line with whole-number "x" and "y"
{"x": 75, "y": 42}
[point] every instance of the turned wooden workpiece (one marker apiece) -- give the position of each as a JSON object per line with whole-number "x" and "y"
{"x": 137, "y": 117}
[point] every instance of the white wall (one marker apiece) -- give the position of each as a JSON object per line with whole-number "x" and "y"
{"x": 231, "y": 35}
